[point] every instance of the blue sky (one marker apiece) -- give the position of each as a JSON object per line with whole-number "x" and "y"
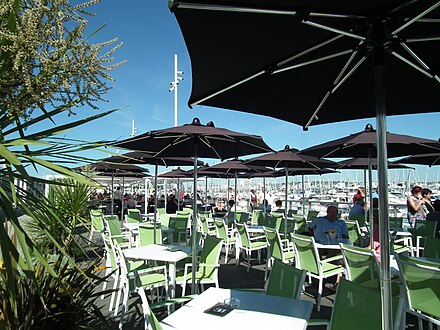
{"x": 151, "y": 37}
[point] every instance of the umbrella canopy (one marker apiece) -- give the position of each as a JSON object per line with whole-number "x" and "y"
{"x": 176, "y": 173}
{"x": 315, "y": 62}
{"x": 196, "y": 140}
{"x": 364, "y": 143}
{"x": 137, "y": 157}
{"x": 289, "y": 159}
{"x": 424, "y": 159}
{"x": 362, "y": 164}
{"x": 265, "y": 56}
{"x": 211, "y": 142}
{"x": 115, "y": 169}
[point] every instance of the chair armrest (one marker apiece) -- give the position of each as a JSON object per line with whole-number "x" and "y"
{"x": 338, "y": 257}
{"x": 257, "y": 238}
{"x": 318, "y": 322}
{"x": 148, "y": 270}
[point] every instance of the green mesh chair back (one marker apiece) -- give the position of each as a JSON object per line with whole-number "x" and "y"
{"x": 354, "y": 233}
{"x": 273, "y": 221}
{"x": 395, "y": 222}
{"x": 242, "y": 217}
{"x": 356, "y": 307}
{"x": 244, "y": 235}
{"x": 110, "y": 251}
{"x": 360, "y": 218}
{"x": 360, "y": 264}
{"x": 311, "y": 215}
{"x": 291, "y": 213}
{"x": 161, "y": 210}
{"x": 165, "y": 219}
{"x": 221, "y": 230}
{"x": 231, "y": 216}
{"x": 285, "y": 280}
{"x": 272, "y": 242}
{"x": 210, "y": 256}
{"x": 114, "y": 228}
{"x": 300, "y": 224}
{"x": 424, "y": 228}
{"x": 431, "y": 248}
{"x": 132, "y": 218}
{"x": 257, "y": 217}
{"x": 422, "y": 283}
{"x": 204, "y": 214}
{"x": 135, "y": 213}
{"x": 97, "y": 219}
{"x": 307, "y": 257}
{"x": 146, "y": 234}
{"x": 179, "y": 223}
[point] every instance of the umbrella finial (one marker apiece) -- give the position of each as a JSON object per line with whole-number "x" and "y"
{"x": 196, "y": 121}
{"x": 210, "y": 124}
{"x": 369, "y": 128}
{"x": 286, "y": 147}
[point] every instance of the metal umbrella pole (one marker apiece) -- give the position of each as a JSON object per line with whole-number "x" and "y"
{"x": 285, "y": 205}
{"x": 382, "y": 166}
{"x": 303, "y": 196}
{"x": 370, "y": 192}
{"x": 113, "y": 196}
{"x": 156, "y": 166}
{"x": 194, "y": 223}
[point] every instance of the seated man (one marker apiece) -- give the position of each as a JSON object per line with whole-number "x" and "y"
{"x": 278, "y": 206}
{"x": 357, "y": 209}
{"x": 321, "y": 227}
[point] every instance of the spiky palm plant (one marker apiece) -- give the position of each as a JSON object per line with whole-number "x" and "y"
{"x": 47, "y": 69}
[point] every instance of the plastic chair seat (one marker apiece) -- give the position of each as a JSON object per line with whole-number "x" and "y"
{"x": 258, "y": 244}
{"x": 328, "y": 269}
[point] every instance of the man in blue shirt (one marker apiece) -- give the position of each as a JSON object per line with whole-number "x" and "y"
{"x": 322, "y": 228}
{"x": 357, "y": 209}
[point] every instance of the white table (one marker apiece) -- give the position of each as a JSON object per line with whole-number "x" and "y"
{"x": 168, "y": 253}
{"x": 256, "y": 311}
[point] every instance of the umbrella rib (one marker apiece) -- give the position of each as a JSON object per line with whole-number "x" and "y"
{"x": 411, "y": 21}
{"x": 403, "y": 59}
{"x": 414, "y": 55}
{"x": 334, "y": 88}
{"x": 314, "y": 61}
{"x": 240, "y": 82}
{"x": 322, "y": 44}
{"x": 175, "y": 142}
{"x": 423, "y": 39}
{"x": 210, "y": 146}
{"x": 331, "y": 29}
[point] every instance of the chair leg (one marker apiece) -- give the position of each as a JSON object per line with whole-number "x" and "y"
{"x": 104, "y": 286}
{"x": 318, "y": 298}
{"x": 124, "y": 306}
{"x": 226, "y": 252}
{"x": 248, "y": 260}
{"x": 91, "y": 236}
{"x": 118, "y": 299}
{"x": 115, "y": 284}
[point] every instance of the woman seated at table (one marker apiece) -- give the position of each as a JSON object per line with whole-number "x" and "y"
{"x": 219, "y": 210}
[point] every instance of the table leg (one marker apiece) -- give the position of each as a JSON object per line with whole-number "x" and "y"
{"x": 171, "y": 284}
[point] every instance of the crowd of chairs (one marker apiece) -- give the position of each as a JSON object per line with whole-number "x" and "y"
{"x": 289, "y": 261}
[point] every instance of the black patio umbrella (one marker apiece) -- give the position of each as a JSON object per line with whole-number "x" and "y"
{"x": 236, "y": 168}
{"x": 289, "y": 159}
{"x": 137, "y": 157}
{"x": 362, "y": 164}
{"x": 196, "y": 140}
{"x": 121, "y": 170}
{"x": 424, "y": 159}
{"x": 315, "y": 62}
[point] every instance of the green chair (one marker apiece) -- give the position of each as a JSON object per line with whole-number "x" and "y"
{"x": 355, "y": 307}
{"x": 179, "y": 223}
{"x": 257, "y": 217}
{"x": 249, "y": 244}
{"x": 300, "y": 224}
{"x": 360, "y": 218}
{"x": 135, "y": 281}
{"x": 285, "y": 280}
{"x": 431, "y": 248}
{"x": 354, "y": 232}
{"x": 111, "y": 267}
{"x": 132, "y": 218}
{"x": 361, "y": 265}
{"x": 291, "y": 213}
{"x": 422, "y": 230}
{"x": 281, "y": 249}
{"x": 116, "y": 234}
{"x": 311, "y": 215}
{"x": 207, "y": 267}
{"x": 307, "y": 258}
{"x": 241, "y": 217}
{"x": 273, "y": 221}
{"x": 135, "y": 213}
{"x": 230, "y": 241}
{"x": 422, "y": 283}
{"x": 395, "y": 222}
{"x": 97, "y": 223}
{"x": 146, "y": 234}
{"x": 150, "y": 320}
{"x": 207, "y": 228}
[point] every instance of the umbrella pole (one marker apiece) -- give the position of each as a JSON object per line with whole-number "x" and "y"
{"x": 303, "y": 197}
{"x": 206, "y": 194}
{"x": 194, "y": 225}
{"x": 380, "y": 87}
{"x": 235, "y": 191}
{"x": 264, "y": 197}
{"x": 285, "y": 205}
{"x": 146, "y": 196}
{"x": 123, "y": 199}
{"x": 177, "y": 191}
{"x": 155, "y": 202}
{"x": 370, "y": 192}
{"x": 113, "y": 196}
